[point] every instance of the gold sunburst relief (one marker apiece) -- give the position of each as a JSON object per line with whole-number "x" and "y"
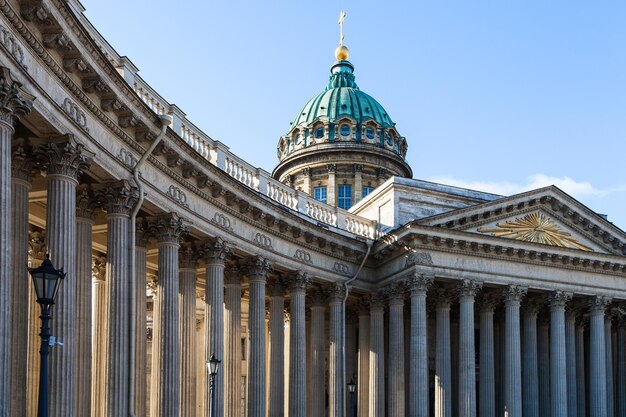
{"x": 538, "y": 228}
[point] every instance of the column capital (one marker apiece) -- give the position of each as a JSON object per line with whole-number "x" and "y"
{"x": 275, "y": 285}
{"x": 215, "y": 250}
{"x": 23, "y": 163}
{"x": 87, "y": 203}
{"x": 62, "y": 155}
{"x": 599, "y": 303}
{"x": 336, "y": 292}
{"x": 118, "y": 197}
{"x": 141, "y": 232}
{"x": 377, "y": 301}
{"x": 232, "y": 275}
{"x": 418, "y": 284}
{"x": 332, "y": 168}
{"x": 257, "y": 268}
{"x": 513, "y": 294}
{"x": 99, "y": 268}
{"x": 316, "y": 297}
{"x": 36, "y": 245}
{"x": 167, "y": 228}
{"x": 298, "y": 281}
{"x": 187, "y": 256}
{"x": 469, "y": 288}
{"x": 443, "y": 297}
{"x": 558, "y": 299}
{"x": 15, "y": 102}
{"x": 395, "y": 293}
{"x": 488, "y": 301}
{"x": 363, "y": 305}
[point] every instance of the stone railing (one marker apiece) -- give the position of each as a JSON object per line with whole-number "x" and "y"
{"x": 255, "y": 178}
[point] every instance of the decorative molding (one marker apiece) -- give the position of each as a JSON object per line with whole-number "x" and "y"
{"x": 263, "y": 240}
{"x": 10, "y": 44}
{"x": 341, "y": 268}
{"x": 177, "y": 195}
{"x": 418, "y": 258}
{"x": 303, "y": 256}
{"x": 127, "y": 158}
{"x": 221, "y": 221}
{"x": 75, "y": 113}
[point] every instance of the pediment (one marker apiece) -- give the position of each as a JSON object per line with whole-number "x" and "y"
{"x": 546, "y": 216}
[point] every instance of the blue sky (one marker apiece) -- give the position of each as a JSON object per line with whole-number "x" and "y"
{"x": 496, "y": 96}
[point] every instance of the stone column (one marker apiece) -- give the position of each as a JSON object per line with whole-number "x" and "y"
{"x": 98, "y": 336}
{"x": 276, "y": 290}
{"x": 467, "y": 354}
{"x": 597, "y": 357}
{"x": 316, "y": 354}
{"x": 358, "y": 182}
{"x": 620, "y": 384}
{"x": 530, "y": 377}
{"x": 336, "y": 383}
{"x": 297, "y": 346}
{"x": 215, "y": 252}
{"x": 418, "y": 393}
{"x": 543, "y": 364}
{"x": 188, "y": 371}
{"x": 570, "y": 353}
{"x": 15, "y": 103}
{"x": 331, "y": 190}
{"x": 120, "y": 198}
{"x": 512, "y": 352}
{"x": 21, "y": 172}
{"x": 608, "y": 345}
{"x": 141, "y": 337}
{"x": 487, "y": 403}
{"x": 396, "y": 351}
{"x": 257, "y": 271}
{"x": 443, "y": 371}
{"x": 36, "y": 253}
{"x": 232, "y": 354}
{"x": 168, "y": 229}
{"x": 558, "y": 365}
{"x": 580, "y": 367}
{"x": 364, "y": 360}
{"x": 306, "y": 181}
{"x": 377, "y": 357}
{"x": 64, "y": 159}
{"x": 85, "y": 213}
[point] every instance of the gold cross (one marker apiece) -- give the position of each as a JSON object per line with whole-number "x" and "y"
{"x": 342, "y": 17}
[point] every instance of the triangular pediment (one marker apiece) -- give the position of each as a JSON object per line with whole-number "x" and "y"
{"x": 546, "y": 216}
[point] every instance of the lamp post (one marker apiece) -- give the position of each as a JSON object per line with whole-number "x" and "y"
{"x": 352, "y": 390}
{"x": 46, "y": 280}
{"x": 212, "y": 366}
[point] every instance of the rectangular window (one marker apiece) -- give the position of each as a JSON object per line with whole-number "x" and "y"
{"x": 319, "y": 193}
{"x": 367, "y": 190}
{"x": 344, "y": 197}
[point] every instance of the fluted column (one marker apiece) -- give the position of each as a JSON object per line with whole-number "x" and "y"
{"x": 188, "y": 370}
{"x": 597, "y": 358}
{"x": 530, "y": 376}
{"x": 201, "y": 386}
{"x": 85, "y": 212}
{"x": 297, "y": 346}
{"x": 543, "y": 364}
{"x": 36, "y": 253}
{"x": 316, "y": 355}
{"x": 487, "y": 403}
{"x": 608, "y": 345}
{"x": 120, "y": 198}
{"x": 570, "y": 353}
{"x": 396, "y": 351}
{"x": 98, "y": 336}
{"x": 141, "y": 342}
{"x": 21, "y": 171}
{"x": 276, "y": 290}
{"x": 467, "y": 354}
{"x": 168, "y": 230}
{"x": 580, "y": 367}
{"x": 620, "y": 384}
{"x": 512, "y": 352}
{"x": 377, "y": 357}
{"x": 232, "y": 342}
{"x": 64, "y": 160}
{"x": 257, "y": 271}
{"x": 443, "y": 371}
{"x": 418, "y": 358}
{"x": 336, "y": 383}
{"x": 363, "y": 376}
{"x": 558, "y": 369}
{"x": 15, "y": 104}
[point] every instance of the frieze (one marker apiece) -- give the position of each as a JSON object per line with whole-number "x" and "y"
{"x": 178, "y": 196}
{"x": 8, "y": 41}
{"x": 127, "y": 158}
{"x": 71, "y": 109}
{"x": 263, "y": 240}
{"x": 341, "y": 268}
{"x": 419, "y": 258}
{"x": 221, "y": 221}
{"x": 303, "y": 256}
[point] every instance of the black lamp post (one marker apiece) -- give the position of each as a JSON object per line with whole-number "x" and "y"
{"x": 352, "y": 390}
{"x": 46, "y": 280}
{"x": 212, "y": 365}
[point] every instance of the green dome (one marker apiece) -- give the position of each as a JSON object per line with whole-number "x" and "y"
{"x": 342, "y": 98}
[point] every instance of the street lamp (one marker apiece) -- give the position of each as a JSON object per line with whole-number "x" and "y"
{"x": 352, "y": 390}
{"x": 212, "y": 366}
{"x": 46, "y": 280}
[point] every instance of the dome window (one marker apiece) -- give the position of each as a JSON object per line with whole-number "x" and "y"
{"x": 388, "y": 140}
{"x": 319, "y": 133}
{"x": 298, "y": 139}
{"x": 345, "y": 130}
{"x": 369, "y": 132}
